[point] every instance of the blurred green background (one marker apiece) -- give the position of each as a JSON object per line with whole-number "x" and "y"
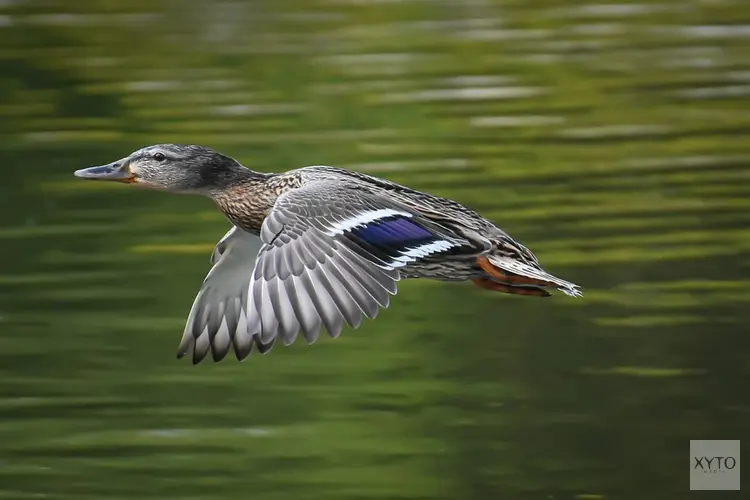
{"x": 611, "y": 138}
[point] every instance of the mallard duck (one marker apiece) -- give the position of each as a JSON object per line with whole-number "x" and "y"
{"x": 319, "y": 247}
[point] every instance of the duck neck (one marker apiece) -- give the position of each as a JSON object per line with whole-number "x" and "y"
{"x": 246, "y": 199}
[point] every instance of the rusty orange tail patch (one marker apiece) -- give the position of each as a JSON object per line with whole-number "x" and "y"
{"x": 488, "y": 284}
{"x": 507, "y": 277}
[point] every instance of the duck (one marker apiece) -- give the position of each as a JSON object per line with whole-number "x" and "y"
{"x": 319, "y": 248}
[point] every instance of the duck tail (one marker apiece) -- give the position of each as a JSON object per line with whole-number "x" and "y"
{"x": 511, "y": 276}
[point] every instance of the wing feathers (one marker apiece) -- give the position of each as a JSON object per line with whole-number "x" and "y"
{"x": 282, "y": 308}
{"x": 269, "y": 320}
{"x": 364, "y": 301}
{"x": 221, "y": 342}
{"x": 304, "y": 309}
{"x": 375, "y": 283}
{"x": 294, "y": 265}
{"x": 327, "y": 255}
{"x": 265, "y": 348}
{"x": 242, "y": 340}
{"x": 201, "y": 346}
{"x": 344, "y": 295}
{"x": 339, "y": 301}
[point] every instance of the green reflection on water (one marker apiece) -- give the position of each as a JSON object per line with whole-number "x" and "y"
{"x": 612, "y": 139}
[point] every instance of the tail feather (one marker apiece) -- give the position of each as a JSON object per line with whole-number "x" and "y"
{"x": 512, "y": 272}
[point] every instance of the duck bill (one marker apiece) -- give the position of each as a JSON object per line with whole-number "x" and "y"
{"x": 116, "y": 171}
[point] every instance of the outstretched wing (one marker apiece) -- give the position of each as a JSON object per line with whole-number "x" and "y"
{"x": 331, "y": 255}
{"x": 218, "y": 317}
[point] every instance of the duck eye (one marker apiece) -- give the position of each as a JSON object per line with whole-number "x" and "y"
{"x": 159, "y": 157}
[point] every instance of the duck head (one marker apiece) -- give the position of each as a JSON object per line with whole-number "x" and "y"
{"x": 171, "y": 167}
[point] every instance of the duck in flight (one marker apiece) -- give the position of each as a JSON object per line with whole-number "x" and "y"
{"x": 319, "y": 247}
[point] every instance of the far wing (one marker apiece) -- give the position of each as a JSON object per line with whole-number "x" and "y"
{"x": 218, "y": 317}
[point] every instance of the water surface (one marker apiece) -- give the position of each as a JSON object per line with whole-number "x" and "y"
{"x": 611, "y": 138}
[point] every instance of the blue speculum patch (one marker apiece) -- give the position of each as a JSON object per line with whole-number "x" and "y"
{"x": 394, "y": 232}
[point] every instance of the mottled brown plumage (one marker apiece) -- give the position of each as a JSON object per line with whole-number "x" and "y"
{"x": 320, "y": 247}
{"x": 245, "y": 205}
